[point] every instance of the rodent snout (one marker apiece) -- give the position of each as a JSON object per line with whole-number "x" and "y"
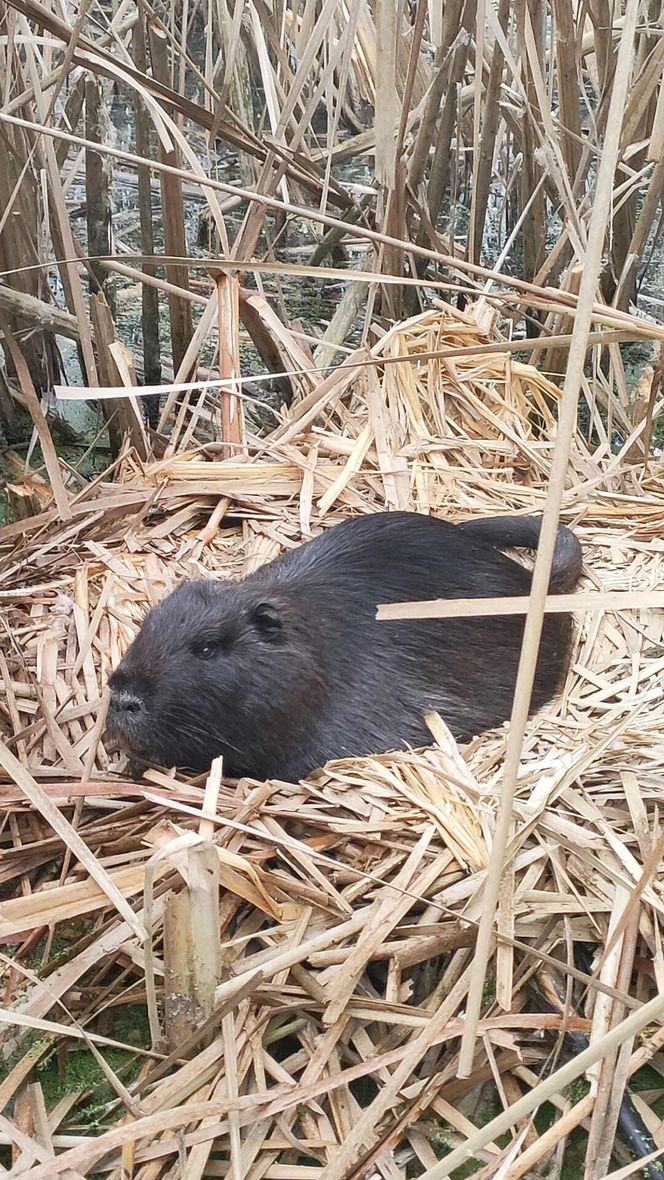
{"x": 126, "y": 710}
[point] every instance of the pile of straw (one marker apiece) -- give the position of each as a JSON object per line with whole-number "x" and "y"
{"x": 322, "y": 934}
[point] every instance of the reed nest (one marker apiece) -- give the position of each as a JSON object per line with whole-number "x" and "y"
{"x": 304, "y": 952}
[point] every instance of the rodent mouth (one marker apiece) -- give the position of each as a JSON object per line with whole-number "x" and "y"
{"x": 116, "y": 741}
{"x": 122, "y": 736}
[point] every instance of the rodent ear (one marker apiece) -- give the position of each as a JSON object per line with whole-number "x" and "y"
{"x": 266, "y": 618}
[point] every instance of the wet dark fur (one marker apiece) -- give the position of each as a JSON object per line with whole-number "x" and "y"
{"x": 289, "y": 668}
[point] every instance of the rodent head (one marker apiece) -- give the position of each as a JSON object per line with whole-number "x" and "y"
{"x": 189, "y": 687}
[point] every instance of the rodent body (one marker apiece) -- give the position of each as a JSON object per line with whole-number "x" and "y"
{"x": 289, "y": 668}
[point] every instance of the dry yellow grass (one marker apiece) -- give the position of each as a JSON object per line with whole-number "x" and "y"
{"x": 348, "y": 904}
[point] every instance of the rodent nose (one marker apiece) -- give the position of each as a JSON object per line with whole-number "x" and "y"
{"x": 124, "y": 702}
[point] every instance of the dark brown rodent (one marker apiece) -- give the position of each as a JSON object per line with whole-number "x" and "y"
{"x": 289, "y": 667}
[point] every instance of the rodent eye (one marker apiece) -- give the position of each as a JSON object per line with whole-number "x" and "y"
{"x": 205, "y": 650}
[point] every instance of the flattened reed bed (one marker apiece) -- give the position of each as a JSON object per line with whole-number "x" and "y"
{"x": 348, "y": 903}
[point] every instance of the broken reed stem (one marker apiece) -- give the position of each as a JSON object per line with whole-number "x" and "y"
{"x": 228, "y": 325}
{"x": 470, "y": 608}
{"x": 81, "y": 393}
{"x": 192, "y": 947}
{"x": 547, "y": 542}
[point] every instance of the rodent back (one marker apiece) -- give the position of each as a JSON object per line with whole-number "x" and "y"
{"x": 289, "y": 667}
{"x": 396, "y": 553}
{"x": 523, "y": 532}
{"x": 391, "y": 557}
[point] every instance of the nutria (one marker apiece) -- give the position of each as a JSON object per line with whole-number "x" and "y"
{"x": 289, "y": 667}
